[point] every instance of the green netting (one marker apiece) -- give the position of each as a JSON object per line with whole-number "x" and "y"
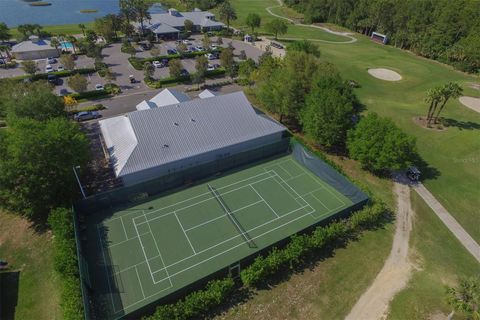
{"x": 142, "y": 191}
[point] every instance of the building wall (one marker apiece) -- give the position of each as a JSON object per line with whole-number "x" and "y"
{"x": 34, "y": 55}
{"x": 187, "y": 163}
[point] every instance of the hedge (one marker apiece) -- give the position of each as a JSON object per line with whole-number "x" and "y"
{"x": 196, "y": 303}
{"x": 291, "y": 255}
{"x": 138, "y": 63}
{"x": 61, "y": 74}
{"x": 66, "y": 264}
{"x": 156, "y": 84}
{"x": 90, "y": 94}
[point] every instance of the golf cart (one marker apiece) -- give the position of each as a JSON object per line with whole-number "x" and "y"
{"x": 413, "y": 174}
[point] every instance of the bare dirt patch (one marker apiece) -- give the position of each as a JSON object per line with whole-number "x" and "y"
{"x": 475, "y": 86}
{"x": 422, "y": 122}
{"x": 385, "y": 74}
{"x": 470, "y": 102}
{"x": 396, "y": 272}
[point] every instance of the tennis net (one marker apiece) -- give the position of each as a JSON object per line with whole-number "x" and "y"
{"x": 235, "y": 222}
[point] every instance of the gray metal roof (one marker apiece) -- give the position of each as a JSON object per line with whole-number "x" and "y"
{"x": 27, "y": 46}
{"x": 189, "y": 128}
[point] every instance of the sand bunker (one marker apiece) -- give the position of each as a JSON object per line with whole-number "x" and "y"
{"x": 471, "y": 102}
{"x": 385, "y": 74}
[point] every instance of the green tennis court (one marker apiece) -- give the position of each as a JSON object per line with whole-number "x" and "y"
{"x": 146, "y": 252}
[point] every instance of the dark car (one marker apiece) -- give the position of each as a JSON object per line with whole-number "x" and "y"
{"x": 184, "y": 73}
{"x": 171, "y": 51}
{"x": 86, "y": 115}
{"x": 53, "y": 79}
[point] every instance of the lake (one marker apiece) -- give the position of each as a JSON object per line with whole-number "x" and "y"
{"x": 15, "y": 12}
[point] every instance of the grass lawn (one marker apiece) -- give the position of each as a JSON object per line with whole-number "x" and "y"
{"x": 440, "y": 258}
{"x": 454, "y": 153}
{"x": 244, "y": 7}
{"x": 31, "y": 254}
{"x": 66, "y": 29}
{"x": 327, "y": 290}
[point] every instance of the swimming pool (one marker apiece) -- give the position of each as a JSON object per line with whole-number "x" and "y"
{"x": 66, "y": 45}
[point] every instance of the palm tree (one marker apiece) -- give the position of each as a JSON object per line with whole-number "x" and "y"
{"x": 73, "y": 41}
{"x": 450, "y": 90}
{"x": 227, "y": 13}
{"x": 433, "y": 98}
{"x": 82, "y": 27}
{"x": 55, "y": 44}
{"x": 466, "y": 298}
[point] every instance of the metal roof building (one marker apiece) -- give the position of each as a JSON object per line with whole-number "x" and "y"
{"x": 34, "y": 49}
{"x": 147, "y": 144}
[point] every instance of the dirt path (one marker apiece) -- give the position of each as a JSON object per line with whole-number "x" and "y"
{"x": 467, "y": 241}
{"x": 343, "y": 34}
{"x": 394, "y": 276}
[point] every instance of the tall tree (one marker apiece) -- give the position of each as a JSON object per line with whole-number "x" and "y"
{"x": 227, "y": 61}
{"x": 227, "y": 12}
{"x": 29, "y": 66}
{"x": 82, "y": 27}
{"x": 277, "y": 27}
{"x": 450, "y": 90}
{"x": 78, "y": 83}
{"x": 148, "y": 70}
{"x": 36, "y": 161}
{"x": 188, "y": 25}
{"x": 380, "y": 145}
{"x": 67, "y": 61}
{"x": 201, "y": 65}
{"x": 175, "y": 68}
{"x": 433, "y": 98}
{"x": 5, "y": 34}
{"x": 140, "y": 9}
{"x": 54, "y": 43}
{"x": 253, "y": 20}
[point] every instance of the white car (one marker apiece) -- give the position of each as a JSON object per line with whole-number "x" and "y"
{"x": 210, "y": 68}
{"x": 214, "y": 46}
{"x": 48, "y": 68}
{"x": 60, "y": 68}
{"x": 199, "y": 48}
{"x": 99, "y": 87}
{"x": 210, "y": 56}
{"x": 157, "y": 64}
{"x": 186, "y": 41}
{"x": 51, "y": 60}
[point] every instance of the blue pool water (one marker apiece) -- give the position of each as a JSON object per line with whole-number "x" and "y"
{"x": 66, "y": 45}
{"x": 15, "y": 12}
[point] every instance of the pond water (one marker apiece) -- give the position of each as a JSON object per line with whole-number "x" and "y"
{"x": 15, "y": 12}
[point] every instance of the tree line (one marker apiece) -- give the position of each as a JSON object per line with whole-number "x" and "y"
{"x": 444, "y": 30}
{"x": 310, "y": 96}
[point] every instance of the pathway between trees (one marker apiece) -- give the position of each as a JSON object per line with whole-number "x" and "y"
{"x": 467, "y": 241}
{"x": 343, "y": 34}
{"x": 395, "y": 274}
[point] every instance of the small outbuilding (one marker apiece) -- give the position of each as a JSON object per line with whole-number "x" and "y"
{"x": 164, "y": 98}
{"x": 34, "y": 49}
{"x": 207, "y": 94}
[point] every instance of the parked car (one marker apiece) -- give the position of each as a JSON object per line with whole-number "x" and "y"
{"x": 216, "y": 66}
{"x": 199, "y": 48}
{"x": 276, "y": 45}
{"x": 53, "y": 79}
{"x": 209, "y": 56}
{"x": 60, "y": 68}
{"x": 184, "y": 73}
{"x": 157, "y": 64}
{"x": 213, "y": 46}
{"x": 186, "y": 41}
{"x": 51, "y": 60}
{"x": 172, "y": 51}
{"x": 210, "y": 67}
{"x": 86, "y": 115}
{"x": 99, "y": 87}
{"x": 145, "y": 45}
{"x": 64, "y": 92}
{"x": 48, "y": 68}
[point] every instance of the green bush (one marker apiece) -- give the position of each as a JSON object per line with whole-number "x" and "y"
{"x": 94, "y": 107}
{"x": 90, "y": 94}
{"x": 196, "y": 303}
{"x": 300, "y": 245}
{"x": 66, "y": 263}
{"x": 112, "y": 88}
{"x": 138, "y": 63}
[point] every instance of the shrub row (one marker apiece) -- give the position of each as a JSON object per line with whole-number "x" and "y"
{"x": 138, "y": 63}
{"x": 61, "y": 74}
{"x": 94, "y": 94}
{"x": 94, "y": 107}
{"x": 66, "y": 264}
{"x": 156, "y": 84}
{"x": 216, "y": 292}
{"x": 196, "y": 303}
{"x": 291, "y": 255}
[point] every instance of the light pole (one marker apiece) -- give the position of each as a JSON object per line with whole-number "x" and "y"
{"x": 78, "y": 180}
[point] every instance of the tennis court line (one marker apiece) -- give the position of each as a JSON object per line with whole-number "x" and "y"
{"x": 194, "y": 204}
{"x": 208, "y": 193}
{"x": 159, "y": 254}
{"x": 106, "y": 269}
{"x": 296, "y": 199}
{"x": 274, "y": 212}
{"x": 124, "y": 230}
{"x": 324, "y": 184}
{"x": 223, "y": 216}
{"x": 122, "y": 242}
{"x": 229, "y": 239}
{"x": 140, "y": 282}
{"x": 143, "y": 250}
{"x": 184, "y": 233}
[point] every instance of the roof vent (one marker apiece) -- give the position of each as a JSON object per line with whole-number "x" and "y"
{"x": 175, "y": 124}
{"x": 193, "y": 120}
{"x": 165, "y": 145}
